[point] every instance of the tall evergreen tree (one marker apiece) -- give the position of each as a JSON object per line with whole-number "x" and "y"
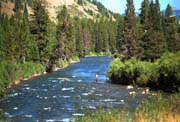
{"x": 38, "y": 27}
{"x": 144, "y": 18}
{"x": 65, "y": 35}
{"x": 80, "y": 42}
{"x": 112, "y": 35}
{"x": 119, "y": 36}
{"x": 157, "y": 16}
{"x": 130, "y": 47}
{"x": 153, "y": 39}
{"x": 155, "y": 19}
{"x": 171, "y": 30}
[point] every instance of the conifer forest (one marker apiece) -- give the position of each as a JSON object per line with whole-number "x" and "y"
{"x": 144, "y": 49}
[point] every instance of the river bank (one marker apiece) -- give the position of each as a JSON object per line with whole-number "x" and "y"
{"x": 13, "y": 74}
{"x": 162, "y": 74}
{"x": 157, "y": 109}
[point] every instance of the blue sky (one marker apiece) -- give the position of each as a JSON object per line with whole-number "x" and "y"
{"x": 120, "y": 5}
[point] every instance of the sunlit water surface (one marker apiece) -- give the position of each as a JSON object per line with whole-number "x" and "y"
{"x": 72, "y": 91}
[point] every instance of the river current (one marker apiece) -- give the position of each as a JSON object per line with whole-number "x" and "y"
{"x": 73, "y": 91}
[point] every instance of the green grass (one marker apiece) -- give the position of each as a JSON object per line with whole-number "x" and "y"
{"x": 99, "y": 54}
{"x": 62, "y": 63}
{"x": 158, "y": 109}
{"x": 10, "y": 72}
{"x": 103, "y": 115}
{"x": 3, "y": 118}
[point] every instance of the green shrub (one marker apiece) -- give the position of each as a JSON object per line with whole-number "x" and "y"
{"x": 75, "y": 58}
{"x": 163, "y": 74}
{"x": 62, "y": 63}
{"x": 29, "y": 68}
{"x": 146, "y": 72}
{"x": 99, "y": 54}
{"x": 10, "y": 71}
{"x": 169, "y": 70}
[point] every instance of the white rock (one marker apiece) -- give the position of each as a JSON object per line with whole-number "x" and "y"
{"x": 132, "y": 93}
{"x": 130, "y": 87}
{"x": 143, "y": 92}
{"x": 147, "y": 91}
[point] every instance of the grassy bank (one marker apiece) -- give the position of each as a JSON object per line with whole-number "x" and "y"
{"x": 91, "y": 54}
{"x": 12, "y": 72}
{"x": 157, "y": 109}
{"x": 64, "y": 63}
{"x": 3, "y": 117}
{"x": 163, "y": 74}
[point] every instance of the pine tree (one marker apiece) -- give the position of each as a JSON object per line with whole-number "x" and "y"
{"x": 155, "y": 19}
{"x": 96, "y": 37}
{"x": 38, "y": 27}
{"x": 65, "y": 35}
{"x": 144, "y": 15}
{"x": 111, "y": 35}
{"x": 80, "y": 42}
{"x": 119, "y": 37}
{"x": 153, "y": 39}
{"x": 171, "y": 30}
{"x": 130, "y": 47}
{"x": 151, "y": 16}
{"x": 99, "y": 36}
{"x": 105, "y": 36}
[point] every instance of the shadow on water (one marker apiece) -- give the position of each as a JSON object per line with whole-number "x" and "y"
{"x": 68, "y": 92}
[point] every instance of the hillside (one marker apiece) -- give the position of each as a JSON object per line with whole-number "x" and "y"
{"x": 87, "y": 9}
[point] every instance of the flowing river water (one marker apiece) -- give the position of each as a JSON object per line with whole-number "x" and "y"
{"x": 72, "y": 91}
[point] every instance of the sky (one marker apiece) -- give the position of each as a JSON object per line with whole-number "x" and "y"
{"x": 119, "y": 6}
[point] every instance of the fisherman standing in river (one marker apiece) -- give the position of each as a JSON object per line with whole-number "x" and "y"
{"x": 96, "y": 77}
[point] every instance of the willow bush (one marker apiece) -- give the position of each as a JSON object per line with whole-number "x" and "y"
{"x": 164, "y": 73}
{"x": 10, "y": 72}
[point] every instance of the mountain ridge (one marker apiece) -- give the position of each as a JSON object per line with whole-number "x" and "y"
{"x": 87, "y": 10}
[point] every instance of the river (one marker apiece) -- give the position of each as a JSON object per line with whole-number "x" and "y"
{"x": 73, "y": 91}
